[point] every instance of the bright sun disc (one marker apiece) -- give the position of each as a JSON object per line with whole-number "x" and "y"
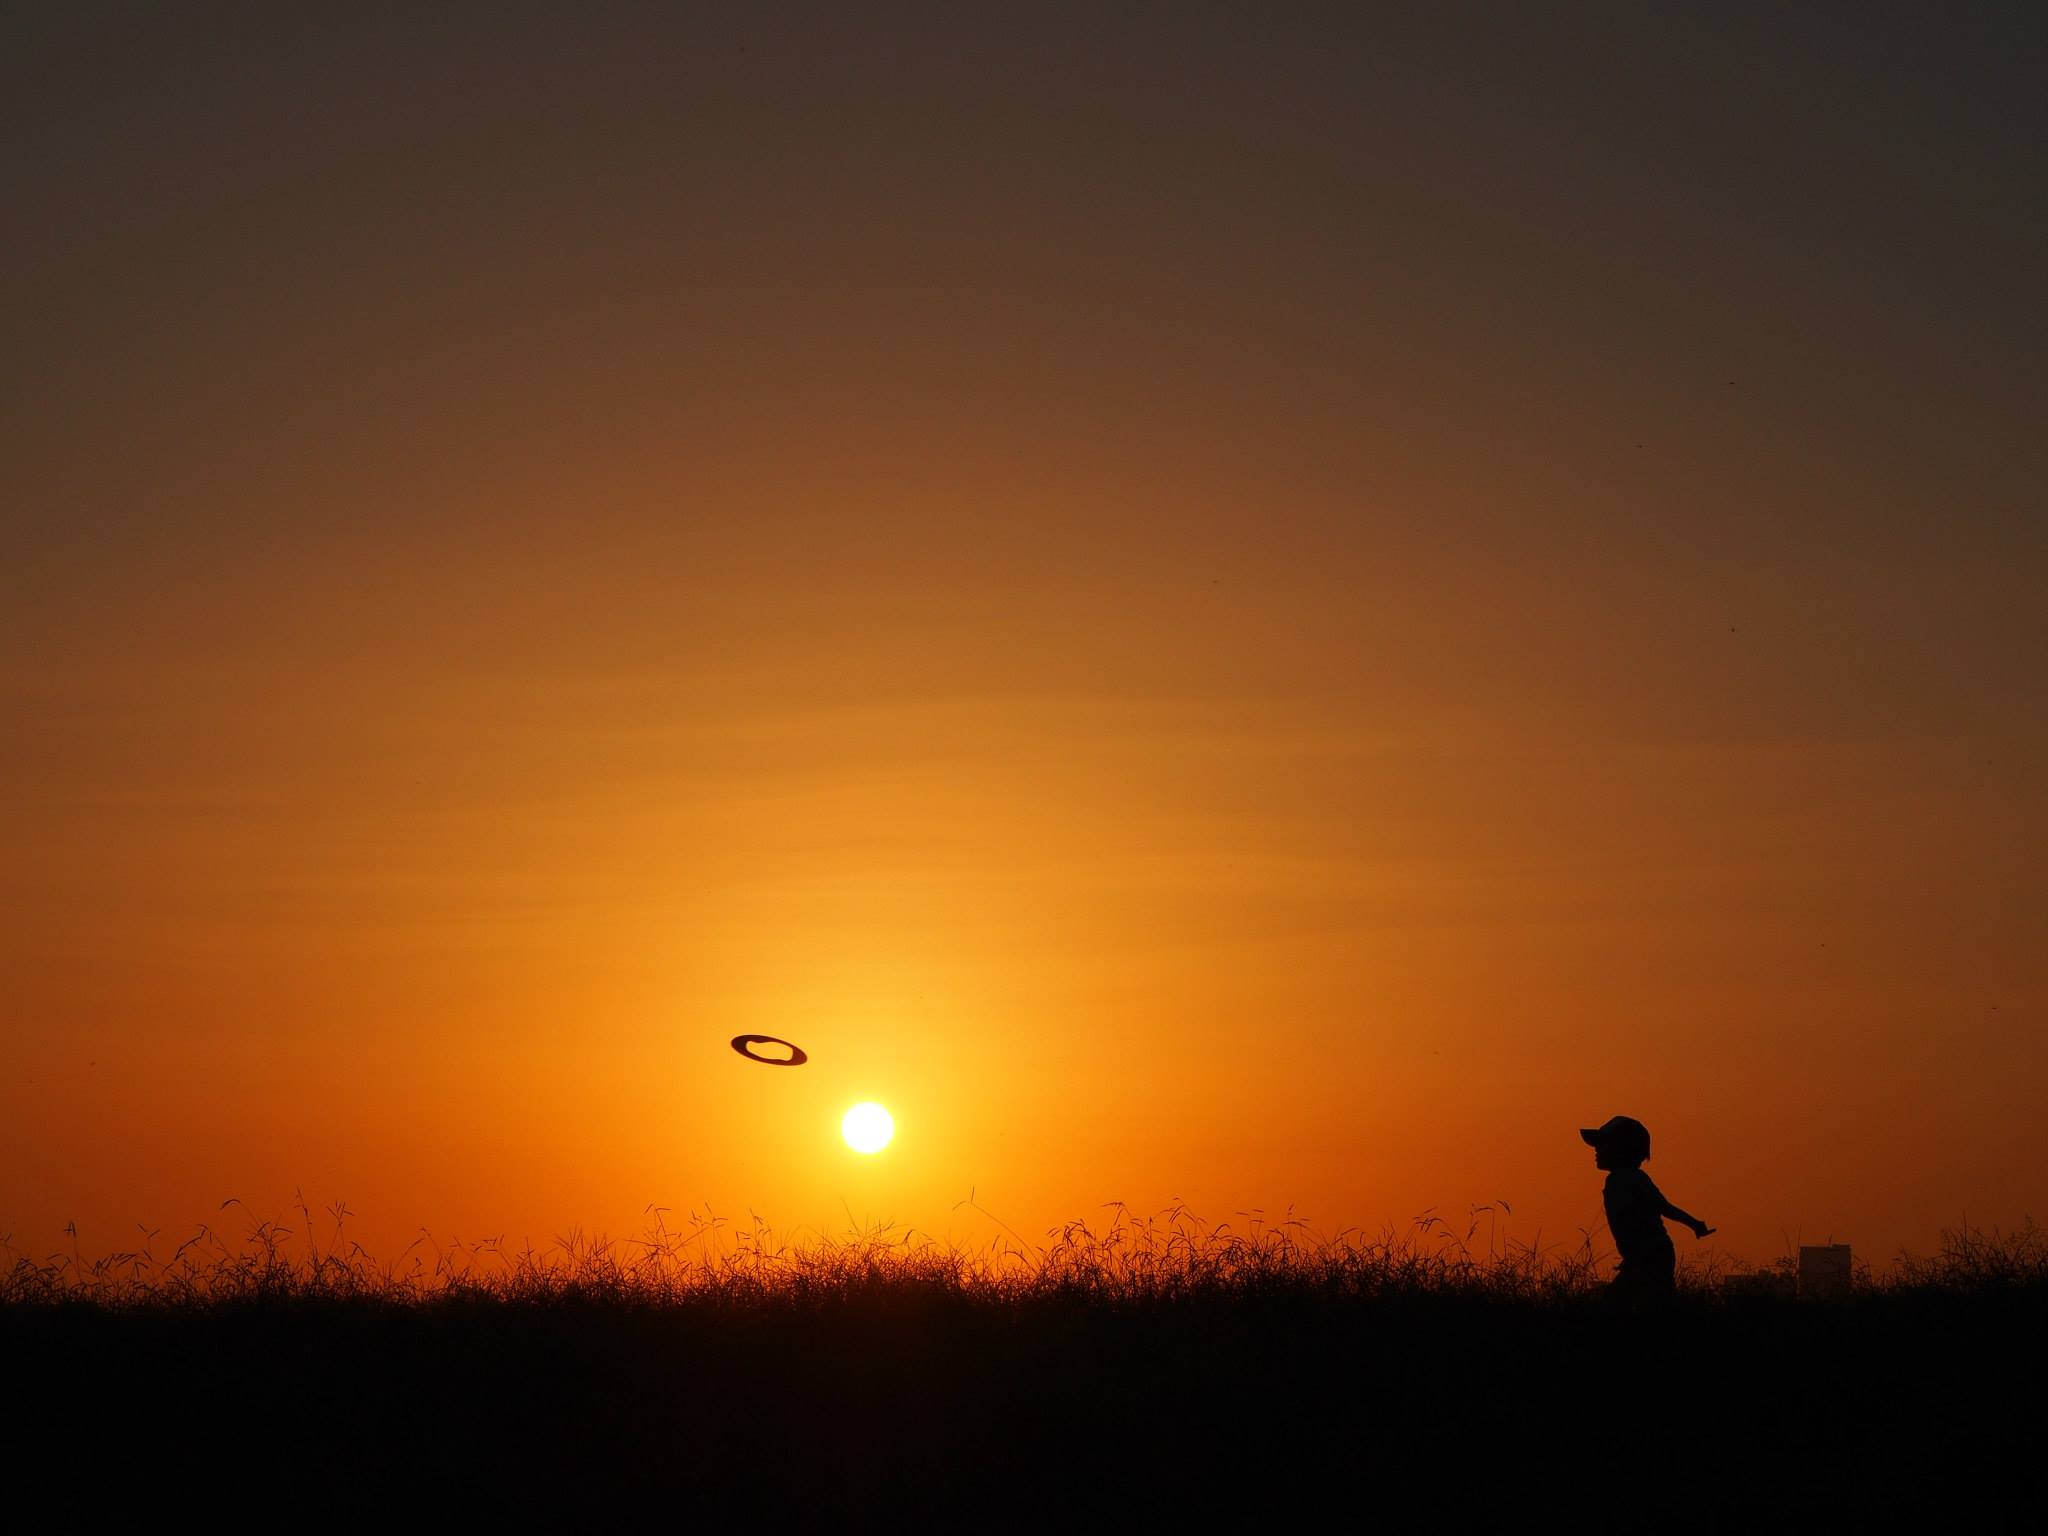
{"x": 867, "y": 1127}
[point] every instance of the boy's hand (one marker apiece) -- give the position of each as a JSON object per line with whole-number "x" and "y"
{"x": 1701, "y": 1229}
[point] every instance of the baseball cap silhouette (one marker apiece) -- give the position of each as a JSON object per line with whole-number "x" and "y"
{"x": 1624, "y": 1134}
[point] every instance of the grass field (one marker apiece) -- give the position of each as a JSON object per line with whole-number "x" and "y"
{"x": 1141, "y": 1373}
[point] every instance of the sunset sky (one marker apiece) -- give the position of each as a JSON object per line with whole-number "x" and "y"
{"x": 1267, "y": 605}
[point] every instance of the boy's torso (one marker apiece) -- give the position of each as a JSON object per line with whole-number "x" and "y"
{"x": 1635, "y": 1213}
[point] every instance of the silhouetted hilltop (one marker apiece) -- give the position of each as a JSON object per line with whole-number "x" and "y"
{"x": 1142, "y": 1371}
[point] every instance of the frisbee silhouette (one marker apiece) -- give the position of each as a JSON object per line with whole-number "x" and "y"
{"x": 745, "y": 1044}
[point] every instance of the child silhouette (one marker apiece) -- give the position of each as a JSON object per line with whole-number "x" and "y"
{"x": 1636, "y": 1210}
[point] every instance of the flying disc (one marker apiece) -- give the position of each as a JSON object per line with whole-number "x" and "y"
{"x": 744, "y": 1044}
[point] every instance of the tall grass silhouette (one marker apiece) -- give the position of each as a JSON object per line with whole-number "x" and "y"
{"x": 1132, "y": 1370}
{"x": 1121, "y": 1259}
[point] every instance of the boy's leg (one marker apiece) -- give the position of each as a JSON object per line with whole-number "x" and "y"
{"x": 1644, "y": 1281}
{"x": 1660, "y": 1274}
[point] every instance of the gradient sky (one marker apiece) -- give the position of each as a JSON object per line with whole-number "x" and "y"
{"x": 1261, "y": 604}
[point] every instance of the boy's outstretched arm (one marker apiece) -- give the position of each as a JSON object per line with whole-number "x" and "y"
{"x": 1686, "y": 1219}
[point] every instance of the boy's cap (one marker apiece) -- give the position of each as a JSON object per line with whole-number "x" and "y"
{"x": 1622, "y": 1132}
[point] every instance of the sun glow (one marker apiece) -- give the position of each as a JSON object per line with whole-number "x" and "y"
{"x": 867, "y": 1127}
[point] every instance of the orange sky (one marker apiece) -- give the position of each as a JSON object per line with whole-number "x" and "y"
{"x": 1265, "y": 611}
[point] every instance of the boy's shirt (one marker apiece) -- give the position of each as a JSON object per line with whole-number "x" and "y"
{"x": 1635, "y": 1212}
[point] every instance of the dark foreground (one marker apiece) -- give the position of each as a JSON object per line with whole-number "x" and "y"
{"x": 903, "y": 1405}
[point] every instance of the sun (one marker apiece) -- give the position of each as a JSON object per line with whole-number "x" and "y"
{"x": 867, "y": 1127}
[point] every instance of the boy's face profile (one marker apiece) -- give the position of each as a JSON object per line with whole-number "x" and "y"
{"x": 1619, "y": 1144}
{"x": 1608, "y": 1157}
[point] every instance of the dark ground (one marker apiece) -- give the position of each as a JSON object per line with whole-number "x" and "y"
{"x": 924, "y": 1408}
